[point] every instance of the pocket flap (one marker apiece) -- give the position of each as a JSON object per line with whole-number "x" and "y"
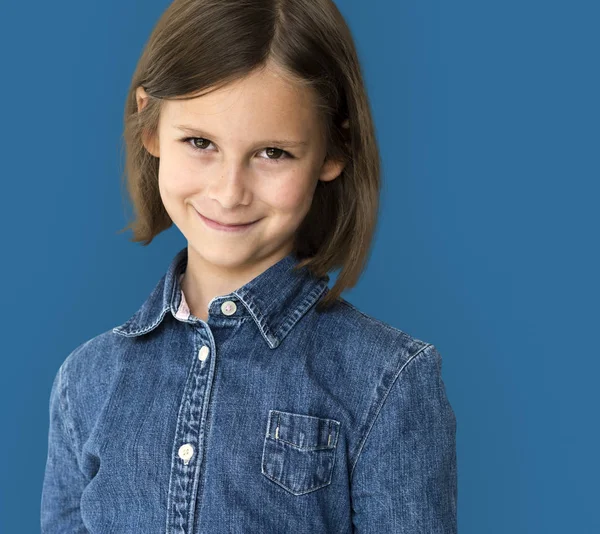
{"x": 303, "y": 431}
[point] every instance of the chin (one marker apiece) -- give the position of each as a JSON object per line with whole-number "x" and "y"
{"x": 217, "y": 252}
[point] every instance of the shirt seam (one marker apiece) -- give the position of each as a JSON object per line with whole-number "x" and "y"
{"x": 376, "y": 321}
{"x": 382, "y": 404}
{"x": 65, "y": 411}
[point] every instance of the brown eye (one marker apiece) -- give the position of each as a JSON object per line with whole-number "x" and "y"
{"x": 198, "y": 142}
{"x": 278, "y": 152}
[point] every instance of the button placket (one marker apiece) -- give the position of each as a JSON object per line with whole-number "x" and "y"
{"x": 188, "y": 439}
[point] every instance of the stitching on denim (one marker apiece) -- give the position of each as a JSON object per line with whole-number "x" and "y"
{"x": 261, "y": 322}
{"x": 66, "y": 415}
{"x": 308, "y": 416}
{"x": 274, "y": 338}
{"x": 332, "y": 451}
{"x": 327, "y": 420}
{"x": 173, "y": 497}
{"x": 363, "y": 441}
{"x": 122, "y": 330}
{"x": 300, "y": 492}
{"x": 310, "y": 299}
{"x": 198, "y": 480}
{"x": 269, "y": 424}
{"x": 315, "y": 448}
{"x": 378, "y": 322}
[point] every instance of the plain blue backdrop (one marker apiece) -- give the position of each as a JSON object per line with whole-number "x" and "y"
{"x": 488, "y": 119}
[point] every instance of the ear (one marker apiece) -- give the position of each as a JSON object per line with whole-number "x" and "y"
{"x": 150, "y": 142}
{"x": 331, "y": 169}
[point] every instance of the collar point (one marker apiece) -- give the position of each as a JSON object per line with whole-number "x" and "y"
{"x": 273, "y": 341}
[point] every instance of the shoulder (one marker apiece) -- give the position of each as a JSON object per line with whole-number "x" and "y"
{"x": 380, "y": 343}
{"x": 89, "y": 372}
{"x": 92, "y": 356}
{"x": 377, "y": 364}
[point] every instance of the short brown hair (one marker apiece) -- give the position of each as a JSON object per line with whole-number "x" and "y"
{"x": 200, "y": 45}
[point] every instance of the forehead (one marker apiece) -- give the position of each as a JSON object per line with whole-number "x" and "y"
{"x": 264, "y": 102}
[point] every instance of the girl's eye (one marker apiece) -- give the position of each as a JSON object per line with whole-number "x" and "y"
{"x": 194, "y": 144}
{"x": 200, "y": 144}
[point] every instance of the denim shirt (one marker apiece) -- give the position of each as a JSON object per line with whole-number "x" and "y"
{"x": 270, "y": 417}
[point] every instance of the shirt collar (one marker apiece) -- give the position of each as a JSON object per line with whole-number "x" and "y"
{"x": 276, "y": 299}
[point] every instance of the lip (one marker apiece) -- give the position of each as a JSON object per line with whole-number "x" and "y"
{"x": 225, "y": 227}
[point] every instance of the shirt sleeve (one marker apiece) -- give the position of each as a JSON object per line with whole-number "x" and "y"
{"x": 404, "y": 479}
{"x": 63, "y": 481}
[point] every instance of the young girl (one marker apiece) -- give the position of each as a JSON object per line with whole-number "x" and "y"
{"x": 245, "y": 395}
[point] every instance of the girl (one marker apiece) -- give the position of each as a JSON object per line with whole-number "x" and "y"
{"x": 245, "y": 395}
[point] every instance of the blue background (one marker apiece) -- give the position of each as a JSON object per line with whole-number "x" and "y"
{"x": 487, "y": 115}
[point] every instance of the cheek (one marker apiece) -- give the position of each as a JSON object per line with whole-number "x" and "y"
{"x": 291, "y": 195}
{"x": 176, "y": 181}
{"x": 175, "y": 184}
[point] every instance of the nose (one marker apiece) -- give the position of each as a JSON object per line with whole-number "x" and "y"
{"x": 229, "y": 186}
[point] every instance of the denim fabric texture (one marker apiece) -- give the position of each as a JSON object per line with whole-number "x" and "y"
{"x": 271, "y": 417}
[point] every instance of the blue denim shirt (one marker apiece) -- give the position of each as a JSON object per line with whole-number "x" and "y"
{"x": 270, "y": 417}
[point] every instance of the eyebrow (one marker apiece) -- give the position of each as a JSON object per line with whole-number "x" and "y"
{"x": 286, "y": 143}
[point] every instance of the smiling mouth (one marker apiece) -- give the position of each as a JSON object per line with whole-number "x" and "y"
{"x": 220, "y": 226}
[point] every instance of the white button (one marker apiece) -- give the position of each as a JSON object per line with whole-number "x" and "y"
{"x": 228, "y": 307}
{"x": 203, "y": 353}
{"x": 186, "y": 452}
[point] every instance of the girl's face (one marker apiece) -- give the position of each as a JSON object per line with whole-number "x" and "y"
{"x": 222, "y": 156}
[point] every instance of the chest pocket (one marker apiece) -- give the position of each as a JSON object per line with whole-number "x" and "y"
{"x": 299, "y": 451}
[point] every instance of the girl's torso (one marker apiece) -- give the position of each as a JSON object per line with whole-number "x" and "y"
{"x": 250, "y": 422}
